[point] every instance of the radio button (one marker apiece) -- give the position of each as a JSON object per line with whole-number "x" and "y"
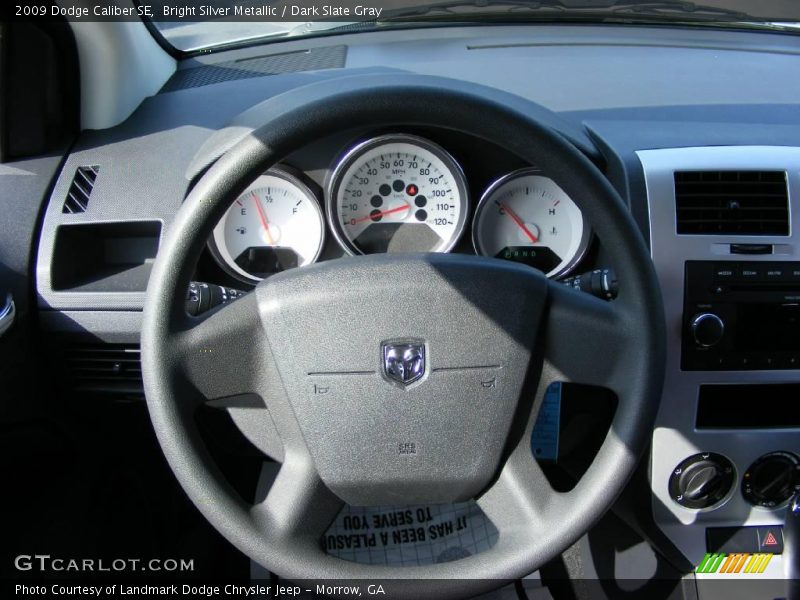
{"x": 725, "y": 271}
{"x": 767, "y": 362}
{"x": 751, "y": 272}
{"x": 774, "y": 273}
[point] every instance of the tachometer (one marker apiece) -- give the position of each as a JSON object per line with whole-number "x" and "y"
{"x": 397, "y": 193}
{"x": 526, "y": 217}
{"x": 276, "y": 224}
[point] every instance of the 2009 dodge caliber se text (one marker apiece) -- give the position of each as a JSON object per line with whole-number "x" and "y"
{"x": 400, "y": 299}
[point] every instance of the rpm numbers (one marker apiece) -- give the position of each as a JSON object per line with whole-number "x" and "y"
{"x": 276, "y": 224}
{"x": 397, "y": 193}
{"x": 525, "y": 217}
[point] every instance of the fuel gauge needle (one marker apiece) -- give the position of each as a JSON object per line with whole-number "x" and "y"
{"x": 263, "y": 216}
{"x": 519, "y": 222}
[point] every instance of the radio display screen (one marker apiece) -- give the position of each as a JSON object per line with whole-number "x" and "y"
{"x": 767, "y": 327}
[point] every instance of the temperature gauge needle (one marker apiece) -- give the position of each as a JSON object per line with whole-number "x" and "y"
{"x": 263, "y": 216}
{"x": 519, "y": 222}
{"x": 382, "y": 213}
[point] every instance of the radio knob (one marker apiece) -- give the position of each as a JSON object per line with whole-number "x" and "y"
{"x": 707, "y": 329}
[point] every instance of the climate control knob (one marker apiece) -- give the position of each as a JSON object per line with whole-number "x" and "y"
{"x": 772, "y": 479}
{"x": 702, "y": 480}
{"x": 707, "y": 329}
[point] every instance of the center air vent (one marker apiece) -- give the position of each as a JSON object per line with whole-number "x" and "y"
{"x": 77, "y": 200}
{"x": 731, "y": 203}
{"x": 105, "y": 368}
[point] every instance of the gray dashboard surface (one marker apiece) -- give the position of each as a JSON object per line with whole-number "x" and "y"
{"x": 23, "y": 186}
{"x": 643, "y": 87}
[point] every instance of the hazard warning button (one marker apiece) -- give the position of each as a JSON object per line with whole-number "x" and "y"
{"x": 770, "y": 539}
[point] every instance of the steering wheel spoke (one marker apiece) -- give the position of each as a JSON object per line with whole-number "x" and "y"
{"x": 519, "y": 498}
{"x": 225, "y": 364}
{"x": 585, "y": 338}
{"x": 298, "y": 507}
{"x": 218, "y": 354}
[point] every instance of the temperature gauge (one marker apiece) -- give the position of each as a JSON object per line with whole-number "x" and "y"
{"x": 526, "y": 217}
{"x": 276, "y": 224}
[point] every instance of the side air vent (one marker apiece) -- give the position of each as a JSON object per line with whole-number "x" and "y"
{"x": 731, "y": 203}
{"x": 314, "y": 59}
{"x": 105, "y": 368}
{"x": 77, "y": 200}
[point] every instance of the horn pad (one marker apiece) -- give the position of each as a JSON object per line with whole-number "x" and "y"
{"x": 407, "y": 374}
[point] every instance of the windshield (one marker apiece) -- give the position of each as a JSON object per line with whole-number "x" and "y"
{"x": 197, "y": 26}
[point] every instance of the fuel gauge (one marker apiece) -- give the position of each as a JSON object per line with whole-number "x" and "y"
{"x": 525, "y": 217}
{"x": 276, "y": 224}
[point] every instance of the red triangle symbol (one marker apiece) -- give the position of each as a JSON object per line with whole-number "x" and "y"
{"x": 770, "y": 540}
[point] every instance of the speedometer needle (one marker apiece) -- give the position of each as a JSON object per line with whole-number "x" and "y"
{"x": 263, "y": 216}
{"x": 519, "y": 222}
{"x": 382, "y": 213}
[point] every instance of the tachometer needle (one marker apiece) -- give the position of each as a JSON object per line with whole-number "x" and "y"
{"x": 519, "y": 222}
{"x": 263, "y": 216}
{"x": 382, "y": 213}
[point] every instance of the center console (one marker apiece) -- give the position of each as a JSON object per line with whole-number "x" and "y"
{"x": 725, "y": 241}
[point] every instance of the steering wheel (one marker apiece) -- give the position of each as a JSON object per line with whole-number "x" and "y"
{"x": 475, "y": 319}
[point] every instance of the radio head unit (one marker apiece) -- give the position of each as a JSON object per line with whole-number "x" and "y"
{"x": 741, "y": 316}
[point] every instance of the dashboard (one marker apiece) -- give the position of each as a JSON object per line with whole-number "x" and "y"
{"x": 646, "y": 105}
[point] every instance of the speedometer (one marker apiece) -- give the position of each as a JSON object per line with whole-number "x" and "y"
{"x": 525, "y": 217}
{"x": 397, "y": 193}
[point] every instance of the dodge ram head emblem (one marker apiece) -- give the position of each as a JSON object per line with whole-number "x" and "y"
{"x": 403, "y": 361}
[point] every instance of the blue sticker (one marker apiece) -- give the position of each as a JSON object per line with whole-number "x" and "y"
{"x": 544, "y": 441}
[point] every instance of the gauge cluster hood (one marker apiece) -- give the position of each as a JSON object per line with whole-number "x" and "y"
{"x": 248, "y": 121}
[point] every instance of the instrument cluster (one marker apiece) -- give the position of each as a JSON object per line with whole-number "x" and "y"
{"x": 397, "y": 193}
